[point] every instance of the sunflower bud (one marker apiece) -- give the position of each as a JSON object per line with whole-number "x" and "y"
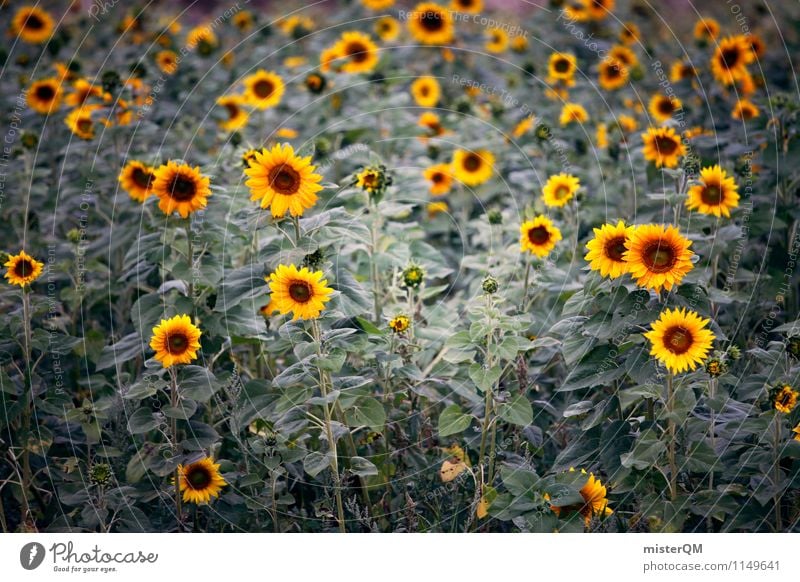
{"x": 413, "y": 276}
{"x": 715, "y": 367}
{"x": 101, "y": 474}
{"x": 494, "y": 216}
{"x": 734, "y": 353}
{"x": 490, "y": 285}
{"x": 543, "y": 132}
{"x": 314, "y": 260}
{"x": 29, "y": 140}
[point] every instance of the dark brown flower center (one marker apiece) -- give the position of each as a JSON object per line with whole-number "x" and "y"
{"x": 472, "y": 162}
{"x": 615, "y": 248}
{"x": 613, "y": 71}
{"x": 729, "y": 57}
{"x": 314, "y": 81}
{"x": 357, "y": 51}
{"x": 142, "y": 178}
{"x": 561, "y": 66}
{"x": 284, "y": 179}
{"x": 34, "y": 22}
{"x": 711, "y": 194}
{"x": 678, "y": 340}
{"x": 659, "y": 257}
{"x": 177, "y": 343}
{"x": 432, "y": 21}
{"x": 425, "y": 90}
{"x": 23, "y": 268}
{"x": 198, "y": 477}
{"x": 233, "y": 110}
{"x": 437, "y": 177}
{"x": 665, "y": 106}
{"x": 45, "y": 92}
{"x": 300, "y": 291}
{"x": 538, "y": 235}
{"x": 562, "y": 191}
{"x": 665, "y": 145}
{"x": 84, "y": 125}
{"x": 182, "y": 188}
{"x": 263, "y": 88}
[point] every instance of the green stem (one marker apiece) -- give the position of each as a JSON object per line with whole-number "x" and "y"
{"x": 671, "y": 431}
{"x": 712, "y": 389}
{"x": 27, "y": 411}
{"x": 373, "y": 264}
{"x": 173, "y": 400}
{"x": 777, "y": 471}
{"x": 190, "y": 259}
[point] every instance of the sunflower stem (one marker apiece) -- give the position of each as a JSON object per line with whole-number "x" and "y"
{"x": 373, "y": 265}
{"x": 671, "y": 431}
{"x": 190, "y": 260}
{"x": 527, "y": 280}
{"x": 777, "y": 470}
{"x": 173, "y": 400}
{"x": 712, "y": 389}
{"x": 27, "y": 411}
{"x": 297, "y": 235}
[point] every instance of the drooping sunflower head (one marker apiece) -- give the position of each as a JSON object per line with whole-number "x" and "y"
{"x": 283, "y": 181}
{"x": 496, "y": 40}
{"x": 573, "y": 113}
{"x": 22, "y": 269}
{"x": 595, "y": 502}
{"x": 560, "y": 189}
{"x": 716, "y": 194}
{"x": 730, "y": 59}
{"x": 387, "y": 28}
{"x": 430, "y": 23}
{"x": 538, "y": 236}
{"x": 32, "y": 24}
{"x": 562, "y": 66}
{"x": 236, "y": 114}
{"x": 263, "y": 89}
{"x": 613, "y": 74}
{"x": 744, "y": 110}
{"x": 167, "y": 61}
{"x": 44, "y": 96}
{"x": 181, "y": 188}
{"x": 663, "y": 147}
{"x": 301, "y": 292}
{"x": 358, "y": 52}
{"x": 658, "y": 256}
{"x": 472, "y": 167}
{"x": 136, "y": 178}
{"x": 399, "y": 323}
{"x": 426, "y": 91}
{"x": 200, "y": 481}
{"x": 607, "y": 249}
{"x": 440, "y": 177}
{"x": 663, "y": 107}
{"x": 784, "y": 398}
{"x": 680, "y": 339}
{"x": 175, "y": 341}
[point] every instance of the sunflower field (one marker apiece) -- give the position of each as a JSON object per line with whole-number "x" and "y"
{"x": 387, "y": 266}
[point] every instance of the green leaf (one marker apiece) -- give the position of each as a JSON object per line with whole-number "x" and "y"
{"x": 197, "y": 383}
{"x": 517, "y": 411}
{"x": 484, "y": 378}
{"x": 453, "y": 421}
{"x": 366, "y": 411}
{"x": 142, "y": 421}
{"x": 315, "y": 463}
{"x": 362, "y": 467}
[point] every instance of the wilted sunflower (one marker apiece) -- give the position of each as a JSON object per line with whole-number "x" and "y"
{"x": 496, "y": 40}
{"x": 613, "y": 74}
{"x": 662, "y": 146}
{"x": 466, "y": 6}
{"x": 560, "y": 189}
{"x": 136, "y": 178}
{"x": 680, "y": 339}
{"x": 175, "y": 341}
{"x": 44, "y": 96}
{"x": 283, "y": 181}
{"x": 167, "y": 61}
{"x": 22, "y": 269}
{"x": 181, "y": 188}
{"x": 237, "y": 116}
{"x": 300, "y": 292}
{"x": 538, "y": 236}
{"x": 80, "y": 122}
{"x": 607, "y": 249}
{"x": 472, "y": 167}
{"x": 430, "y": 23}
{"x": 263, "y": 89}
{"x": 706, "y": 29}
{"x": 200, "y": 481}
{"x": 658, "y": 257}
{"x": 784, "y": 398}
{"x": 387, "y": 28}
{"x": 744, "y": 110}
{"x": 730, "y": 59}
{"x": 573, "y": 113}
{"x": 561, "y": 66}
{"x": 399, "y": 323}
{"x": 441, "y": 178}
{"x": 594, "y": 504}
{"x": 716, "y": 194}
{"x": 32, "y": 24}
{"x": 358, "y": 52}
{"x": 663, "y": 107}
{"x": 426, "y": 91}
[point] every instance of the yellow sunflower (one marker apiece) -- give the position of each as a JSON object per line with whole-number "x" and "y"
{"x": 387, "y": 28}
{"x": 627, "y": 123}
{"x": 658, "y": 256}
{"x": 730, "y": 59}
{"x": 399, "y": 323}
{"x": 630, "y": 33}
{"x": 466, "y": 6}
{"x": 472, "y": 168}
{"x": 681, "y": 71}
{"x": 175, "y": 341}
{"x": 201, "y": 38}
{"x": 784, "y": 398}
{"x": 663, "y": 107}
{"x": 573, "y": 113}
{"x": 716, "y": 194}
{"x": 744, "y": 110}
{"x": 594, "y": 504}
{"x": 430, "y": 23}
{"x": 601, "y": 136}
{"x": 377, "y": 4}
{"x": 434, "y": 208}
{"x": 237, "y": 116}
{"x": 607, "y": 249}
{"x": 44, "y": 96}
{"x": 431, "y": 122}
{"x": 80, "y": 122}
{"x": 496, "y": 40}
{"x": 426, "y": 91}
{"x": 181, "y": 188}
{"x": 538, "y": 236}
{"x": 523, "y": 126}
{"x": 358, "y": 52}
{"x": 200, "y": 481}
{"x": 167, "y": 61}
{"x": 662, "y": 146}
{"x": 560, "y": 189}
{"x": 22, "y": 269}
{"x": 562, "y": 66}
{"x": 263, "y": 89}
{"x": 283, "y": 181}
{"x": 706, "y": 29}
{"x": 680, "y": 339}
{"x": 82, "y": 91}
{"x": 300, "y": 292}
{"x": 519, "y": 43}
{"x": 441, "y": 178}
{"x": 32, "y": 24}
{"x": 136, "y": 178}
{"x": 243, "y": 20}
{"x": 599, "y": 9}
{"x": 613, "y": 74}
{"x": 624, "y": 55}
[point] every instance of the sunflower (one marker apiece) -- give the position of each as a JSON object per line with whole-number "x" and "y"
{"x": 730, "y": 59}
{"x": 167, "y": 61}
{"x": 538, "y": 236}
{"x": 523, "y": 126}
{"x": 784, "y": 398}
{"x": 594, "y": 504}
{"x": 316, "y": 83}
{"x": 283, "y": 181}
{"x": 561, "y": 66}
{"x": 627, "y": 123}
{"x": 599, "y": 9}
{"x": 296, "y": 25}
{"x": 601, "y": 136}
{"x": 32, "y": 24}
{"x": 22, "y": 269}
{"x": 662, "y": 146}
{"x": 519, "y": 43}
{"x": 657, "y": 256}
{"x": 237, "y": 116}
{"x": 613, "y": 74}
{"x": 136, "y": 178}
{"x": 80, "y": 122}
{"x": 630, "y": 33}
{"x": 472, "y": 168}
{"x": 426, "y": 91}
{"x": 680, "y": 339}
{"x": 181, "y": 188}
{"x": 175, "y": 341}
{"x": 300, "y": 292}
{"x": 496, "y": 40}
{"x": 243, "y": 20}
{"x": 44, "y": 96}
{"x": 560, "y": 189}
{"x": 796, "y": 431}
{"x": 202, "y": 38}
{"x": 399, "y": 323}
{"x": 387, "y": 28}
{"x": 83, "y": 90}
{"x": 573, "y": 113}
{"x": 715, "y": 195}
{"x": 624, "y": 55}
{"x": 706, "y": 29}
{"x": 744, "y": 110}
{"x": 430, "y": 23}
{"x": 358, "y": 51}
{"x": 681, "y": 71}
{"x": 263, "y": 89}
{"x": 466, "y": 6}
{"x": 378, "y": 4}
{"x": 200, "y": 481}
{"x": 434, "y": 208}
{"x": 607, "y": 249}
{"x": 663, "y": 107}
{"x": 441, "y": 178}
{"x": 431, "y": 122}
